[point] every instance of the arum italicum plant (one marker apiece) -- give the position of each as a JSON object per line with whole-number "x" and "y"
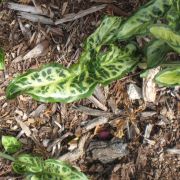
{"x": 34, "y": 167}
{"x": 103, "y": 61}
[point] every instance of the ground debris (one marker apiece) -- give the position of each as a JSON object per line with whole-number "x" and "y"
{"x": 107, "y": 152}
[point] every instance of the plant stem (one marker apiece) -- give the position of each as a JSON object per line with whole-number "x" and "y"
{"x": 6, "y": 156}
{"x": 171, "y": 64}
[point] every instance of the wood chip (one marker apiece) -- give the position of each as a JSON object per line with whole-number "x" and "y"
{"x": 97, "y": 103}
{"x": 73, "y": 16}
{"x": 107, "y": 152}
{"x": 98, "y": 92}
{"x": 92, "y": 112}
{"x": 23, "y": 126}
{"x": 27, "y": 8}
{"x": 35, "y": 18}
{"x": 40, "y": 109}
{"x": 78, "y": 152}
{"x": 173, "y": 151}
{"x": 147, "y": 132}
{"x": 149, "y": 86}
{"x": 40, "y": 49}
{"x": 94, "y": 122}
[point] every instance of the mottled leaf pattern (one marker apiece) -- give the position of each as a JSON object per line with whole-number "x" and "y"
{"x": 26, "y": 163}
{"x": 61, "y": 169}
{"x": 2, "y": 59}
{"x": 156, "y": 53}
{"x": 36, "y": 168}
{"x": 72, "y": 89}
{"x": 164, "y": 33}
{"x": 114, "y": 64}
{"x": 53, "y": 83}
{"x": 137, "y": 24}
{"x": 169, "y": 77}
{"x": 104, "y": 34}
{"x": 11, "y": 144}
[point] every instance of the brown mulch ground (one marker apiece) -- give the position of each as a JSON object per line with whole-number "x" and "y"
{"x": 53, "y": 130}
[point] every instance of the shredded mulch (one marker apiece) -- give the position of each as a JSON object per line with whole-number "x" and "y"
{"x": 109, "y": 135}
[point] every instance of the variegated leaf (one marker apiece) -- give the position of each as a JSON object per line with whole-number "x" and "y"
{"x": 166, "y": 34}
{"x": 169, "y": 77}
{"x": 26, "y": 163}
{"x": 72, "y": 89}
{"x": 137, "y": 24}
{"x": 104, "y": 34}
{"x": 63, "y": 170}
{"x": 114, "y": 64}
{"x": 11, "y": 144}
{"x": 156, "y": 53}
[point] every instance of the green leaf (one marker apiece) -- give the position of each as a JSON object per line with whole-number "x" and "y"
{"x": 114, "y": 63}
{"x": 53, "y": 83}
{"x": 26, "y": 163}
{"x": 139, "y": 22}
{"x": 2, "y": 56}
{"x": 63, "y": 170}
{"x": 166, "y": 34}
{"x": 173, "y": 17}
{"x": 104, "y": 34}
{"x": 11, "y": 144}
{"x": 156, "y": 53}
{"x": 169, "y": 77}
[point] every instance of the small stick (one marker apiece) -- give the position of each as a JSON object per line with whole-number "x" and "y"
{"x": 72, "y": 17}
{"x": 35, "y": 18}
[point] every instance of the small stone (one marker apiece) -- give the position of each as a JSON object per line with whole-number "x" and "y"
{"x": 134, "y": 92}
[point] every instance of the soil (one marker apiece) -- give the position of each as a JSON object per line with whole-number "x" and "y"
{"x": 66, "y": 131}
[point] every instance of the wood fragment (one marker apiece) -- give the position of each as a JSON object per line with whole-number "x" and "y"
{"x": 147, "y": 132}
{"x": 97, "y": 103}
{"x": 27, "y": 8}
{"x": 92, "y": 112}
{"x": 94, "y": 122}
{"x": 40, "y": 49}
{"x": 76, "y": 153}
{"x": 173, "y": 151}
{"x": 35, "y": 18}
{"x": 73, "y": 16}
{"x": 23, "y": 126}
{"x": 149, "y": 86}
{"x": 98, "y": 92}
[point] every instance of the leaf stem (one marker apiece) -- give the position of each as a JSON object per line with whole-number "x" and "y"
{"x": 6, "y": 156}
{"x": 172, "y": 64}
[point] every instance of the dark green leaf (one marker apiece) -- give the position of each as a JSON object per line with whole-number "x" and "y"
{"x": 173, "y": 17}
{"x": 156, "y": 53}
{"x": 138, "y": 23}
{"x": 169, "y": 77}
{"x": 11, "y": 144}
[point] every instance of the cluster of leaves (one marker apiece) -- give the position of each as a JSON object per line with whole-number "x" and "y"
{"x": 34, "y": 167}
{"x": 102, "y": 61}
